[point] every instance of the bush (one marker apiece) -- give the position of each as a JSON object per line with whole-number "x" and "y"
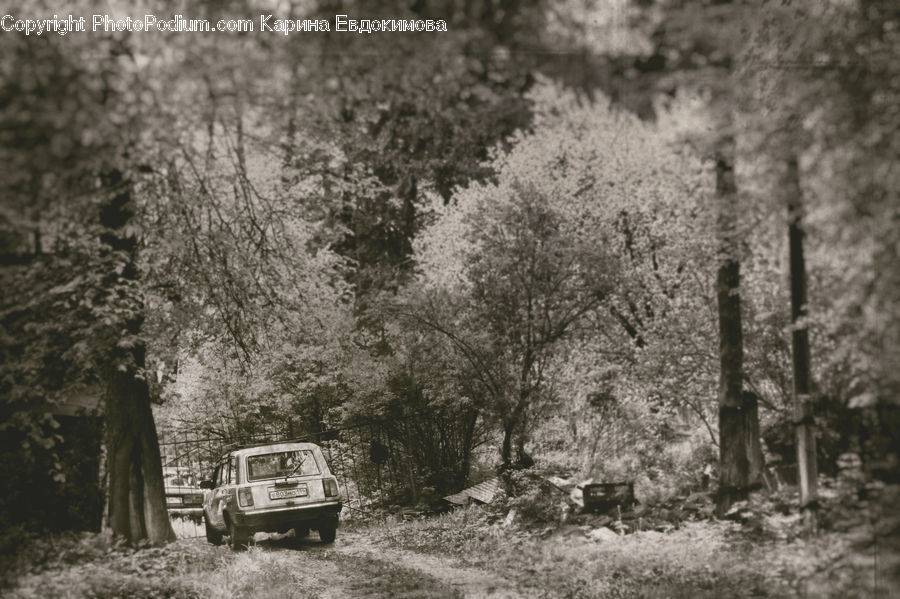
{"x": 536, "y": 500}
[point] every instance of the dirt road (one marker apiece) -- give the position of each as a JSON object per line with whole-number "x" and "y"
{"x": 356, "y": 566}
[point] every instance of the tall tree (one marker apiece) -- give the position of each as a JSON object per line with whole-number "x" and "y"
{"x": 704, "y": 43}
{"x": 820, "y": 76}
{"x": 137, "y": 507}
{"x": 73, "y": 112}
{"x": 740, "y": 455}
{"x": 529, "y": 276}
{"x": 785, "y": 36}
{"x": 803, "y": 412}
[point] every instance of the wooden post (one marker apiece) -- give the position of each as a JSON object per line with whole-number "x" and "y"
{"x": 807, "y": 471}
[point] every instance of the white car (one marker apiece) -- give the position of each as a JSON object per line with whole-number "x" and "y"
{"x": 271, "y": 488}
{"x": 183, "y": 496}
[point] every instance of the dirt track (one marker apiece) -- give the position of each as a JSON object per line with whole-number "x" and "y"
{"x": 355, "y": 566}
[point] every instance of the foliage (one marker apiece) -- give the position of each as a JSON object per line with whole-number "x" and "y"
{"x": 533, "y": 498}
{"x": 614, "y": 196}
{"x": 70, "y": 301}
{"x": 73, "y": 115}
{"x": 828, "y": 117}
{"x": 417, "y": 229}
{"x": 98, "y": 564}
{"x": 699, "y": 559}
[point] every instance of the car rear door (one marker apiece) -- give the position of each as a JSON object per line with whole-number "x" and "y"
{"x": 218, "y": 496}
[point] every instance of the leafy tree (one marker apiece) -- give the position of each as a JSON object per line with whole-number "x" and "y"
{"x": 533, "y": 256}
{"x": 69, "y": 161}
{"x": 428, "y": 402}
{"x": 249, "y": 298}
{"x": 415, "y": 113}
{"x": 527, "y": 287}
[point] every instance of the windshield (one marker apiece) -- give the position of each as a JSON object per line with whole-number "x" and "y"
{"x": 282, "y": 463}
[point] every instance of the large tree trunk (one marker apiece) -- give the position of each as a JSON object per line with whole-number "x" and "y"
{"x": 740, "y": 455}
{"x": 137, "y": 503}
{"x": 807, "y": 471}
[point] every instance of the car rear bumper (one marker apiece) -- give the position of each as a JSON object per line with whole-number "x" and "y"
{"x": 186, "y": 510}
{"x": 273, "y": 519}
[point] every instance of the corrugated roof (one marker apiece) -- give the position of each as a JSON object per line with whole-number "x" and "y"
{"x": 483, "y": 492}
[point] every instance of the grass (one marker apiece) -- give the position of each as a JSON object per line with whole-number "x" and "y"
{"x": 704, "y": 559}
{"x": 260, "y": 573}
{"x": 92, "y": 565}
{"x": 186, "y": 569}
{"x": 378, "y": 579}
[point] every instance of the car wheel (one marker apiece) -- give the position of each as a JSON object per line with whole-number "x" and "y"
{"x": 238, "y": 537}
{"x": 212, "y": 535}
{"x": 327, "y": 532}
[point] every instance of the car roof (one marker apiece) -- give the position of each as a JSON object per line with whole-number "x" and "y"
{"x": 275, "y": 447}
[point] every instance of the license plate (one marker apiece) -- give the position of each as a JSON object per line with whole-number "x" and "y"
{"x": 287, "y": 493}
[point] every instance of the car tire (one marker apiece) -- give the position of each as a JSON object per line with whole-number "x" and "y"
{"x": 327, "y": 532}
{"x": 212, "y": 535}
{"x": 239, "y": 537}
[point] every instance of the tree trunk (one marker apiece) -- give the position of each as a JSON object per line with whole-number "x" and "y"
{"x": 512, "y": 449}
{"x": 506, "y": 447}
{"x": 740, "y": 455}
{"x": 137, "y": 502}
{"x": 468, "y": 442}
{"x": 803, "y": 413}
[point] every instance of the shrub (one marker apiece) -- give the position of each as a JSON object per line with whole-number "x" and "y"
{"x": 536, "y": 500}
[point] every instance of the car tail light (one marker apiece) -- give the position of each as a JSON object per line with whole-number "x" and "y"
{"x": 245, "y": 497}
{"x": 331, "y": 488}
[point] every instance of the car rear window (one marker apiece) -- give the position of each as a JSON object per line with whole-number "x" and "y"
{"x": 281, "y": 463}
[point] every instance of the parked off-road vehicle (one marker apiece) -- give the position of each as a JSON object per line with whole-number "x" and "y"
{"x": 271, "y": 488}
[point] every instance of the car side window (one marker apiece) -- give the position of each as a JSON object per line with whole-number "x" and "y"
{"x": 220, "y": 479}
{"x": 232, "y": 471}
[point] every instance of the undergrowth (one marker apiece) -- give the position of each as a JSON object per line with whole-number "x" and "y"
{"x": 758, "y": 553}
{"x": 97, "y": 565}
{"x": 705, "y": 559}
